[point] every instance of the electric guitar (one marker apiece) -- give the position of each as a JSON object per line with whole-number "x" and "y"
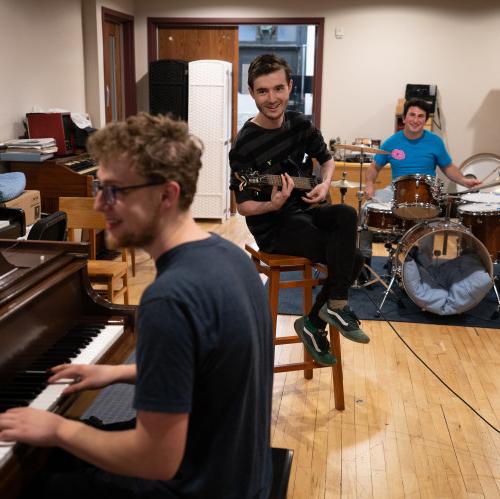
{"x": 255, "y": 180}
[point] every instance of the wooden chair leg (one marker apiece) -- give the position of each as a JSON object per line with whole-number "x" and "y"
{"x": 274, "y": 283}
{"x": 337, "y": 374}
{"x": 307, "y": 275}
{"x": 111, "y": 296}
{"x": 125, "y": 284}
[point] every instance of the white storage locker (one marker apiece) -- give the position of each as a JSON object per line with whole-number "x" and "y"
{"x": 209, "y": 118}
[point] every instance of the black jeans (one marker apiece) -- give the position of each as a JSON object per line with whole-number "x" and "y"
{"x": 68, "y": 477}
{"x": 324, "y": 234}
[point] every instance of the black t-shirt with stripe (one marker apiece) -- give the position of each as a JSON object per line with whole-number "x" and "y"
{"x": 289, "y": 149}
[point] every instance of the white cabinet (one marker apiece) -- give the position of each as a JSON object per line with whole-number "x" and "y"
{"x": 209, "y": 118}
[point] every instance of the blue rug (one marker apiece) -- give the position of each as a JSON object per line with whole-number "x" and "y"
{"x": 399, "y": 308}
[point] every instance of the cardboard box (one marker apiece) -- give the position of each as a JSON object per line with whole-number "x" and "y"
{"x": 29, "y": 201}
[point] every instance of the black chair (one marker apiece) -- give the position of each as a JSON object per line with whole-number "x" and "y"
{"x": 282, "y": 464}
{"x": 50, "y": 228}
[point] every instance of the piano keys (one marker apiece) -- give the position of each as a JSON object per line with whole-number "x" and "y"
{"x": 49, "y": 315}
{"x": 59, "y": 177}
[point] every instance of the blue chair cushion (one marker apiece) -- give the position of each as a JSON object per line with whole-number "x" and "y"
{"x": 452, "y": 287}
{"x": 12, "y": 184}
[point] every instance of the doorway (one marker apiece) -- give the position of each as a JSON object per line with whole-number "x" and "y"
{"x": 119, "y": 65}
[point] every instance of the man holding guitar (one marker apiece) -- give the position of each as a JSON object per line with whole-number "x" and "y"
{"x": 277, "y": 143}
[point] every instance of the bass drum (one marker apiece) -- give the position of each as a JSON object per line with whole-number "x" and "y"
{"x": 431, "y": 244}
{"x": 485, "y": 167}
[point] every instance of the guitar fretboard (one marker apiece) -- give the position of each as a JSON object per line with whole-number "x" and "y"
{"x": 304, "y": 183}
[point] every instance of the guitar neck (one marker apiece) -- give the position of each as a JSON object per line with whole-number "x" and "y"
{"x": 301, "y": 183}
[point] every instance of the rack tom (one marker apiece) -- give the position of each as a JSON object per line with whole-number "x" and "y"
{"x": 416, "y": 197}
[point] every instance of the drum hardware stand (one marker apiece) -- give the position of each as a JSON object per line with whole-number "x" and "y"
{"x": 362, "y": 150}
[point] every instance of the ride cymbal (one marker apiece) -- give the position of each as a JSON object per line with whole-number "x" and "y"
{"x": 360, "y": 148}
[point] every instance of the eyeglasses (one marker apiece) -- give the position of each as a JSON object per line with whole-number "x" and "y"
{"x": 109, "y": 191}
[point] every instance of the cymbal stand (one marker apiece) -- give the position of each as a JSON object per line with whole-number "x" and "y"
{"x": 376, "y": 277}
{"x": 343, "y": 190}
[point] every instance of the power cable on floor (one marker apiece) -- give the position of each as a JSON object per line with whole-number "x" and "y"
{"x": 431, "y": 370}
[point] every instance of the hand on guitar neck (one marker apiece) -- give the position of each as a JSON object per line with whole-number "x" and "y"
{"x": 317, "y": 191}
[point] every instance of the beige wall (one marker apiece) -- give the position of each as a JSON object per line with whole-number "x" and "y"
{"x": 41, "y": 59}
{"x": 455, "y": 45}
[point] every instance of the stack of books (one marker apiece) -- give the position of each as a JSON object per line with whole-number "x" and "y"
{"x": 28, "y": 150}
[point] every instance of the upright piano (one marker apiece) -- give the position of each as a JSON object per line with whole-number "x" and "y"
{"x": 49, "y": 315}
{"x": 59, "y": 177}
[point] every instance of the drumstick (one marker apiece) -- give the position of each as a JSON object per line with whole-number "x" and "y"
{"x": 490, "y": 174}
{"x": 479, "y": 187}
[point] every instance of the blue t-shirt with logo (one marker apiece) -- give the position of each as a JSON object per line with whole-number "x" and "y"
{"x": 411, "y": 156}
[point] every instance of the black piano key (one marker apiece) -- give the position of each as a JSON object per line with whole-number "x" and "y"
{"x": 28, "y": 384}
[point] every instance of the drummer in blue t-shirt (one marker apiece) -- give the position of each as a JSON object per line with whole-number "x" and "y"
{"x": 413, "y": 151}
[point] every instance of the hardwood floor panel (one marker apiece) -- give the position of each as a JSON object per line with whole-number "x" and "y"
{"x": 403, "y": 433}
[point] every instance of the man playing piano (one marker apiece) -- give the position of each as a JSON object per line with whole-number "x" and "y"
{"x": 204, "y": 349}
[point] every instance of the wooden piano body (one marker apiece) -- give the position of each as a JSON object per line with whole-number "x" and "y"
{"x": 44, "y": 292}
{"x": 58, "y": 177}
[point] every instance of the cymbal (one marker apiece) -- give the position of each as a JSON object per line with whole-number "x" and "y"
{"x": 346, "y": 184}
{"x": 361, "y": 148}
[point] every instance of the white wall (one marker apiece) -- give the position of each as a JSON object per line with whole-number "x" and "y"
{"x": 49, "y": 61}
{"x": 41, "y": 59}
{"x": 455, "y": 45}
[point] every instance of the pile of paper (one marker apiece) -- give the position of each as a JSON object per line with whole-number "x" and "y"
{"x": 28, "y": 149}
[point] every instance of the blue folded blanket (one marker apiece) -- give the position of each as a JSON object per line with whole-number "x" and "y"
{"x": 12, "y": 184}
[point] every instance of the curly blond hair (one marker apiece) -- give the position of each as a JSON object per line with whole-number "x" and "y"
{"x": 157, "y": 147}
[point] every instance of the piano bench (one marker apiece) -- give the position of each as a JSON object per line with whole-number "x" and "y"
{"x": 112, "y": 275}
{"x": 271, "y": 265}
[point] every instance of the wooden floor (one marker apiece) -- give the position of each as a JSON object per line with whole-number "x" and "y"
{"x": 415, "y": 397}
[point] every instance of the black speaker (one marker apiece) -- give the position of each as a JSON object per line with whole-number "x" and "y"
{"x": 168, "y": 88}
{"x": 427, "y": 93}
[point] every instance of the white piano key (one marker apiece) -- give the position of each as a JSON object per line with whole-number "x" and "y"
{"x": 47, "y": 399}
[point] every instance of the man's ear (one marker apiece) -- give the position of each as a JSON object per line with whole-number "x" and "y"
{"x": 250, "y": 91}
{"x": 171, "y": 193}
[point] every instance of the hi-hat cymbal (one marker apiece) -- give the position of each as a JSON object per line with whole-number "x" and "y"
{"x": 346, "y": 184}
{"x": 361, "y": 148}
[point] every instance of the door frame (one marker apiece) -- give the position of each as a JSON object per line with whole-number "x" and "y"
{"x": 154, "y": 23}
{"x": 129, "y": 86}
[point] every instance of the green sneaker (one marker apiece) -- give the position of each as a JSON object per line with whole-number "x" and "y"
{"x": 345, "y": 320}
{"x": 315, "y": 341}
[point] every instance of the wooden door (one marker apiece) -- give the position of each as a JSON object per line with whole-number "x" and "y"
{"x": 113, "y": 71}
{"x": 203, "y": 42}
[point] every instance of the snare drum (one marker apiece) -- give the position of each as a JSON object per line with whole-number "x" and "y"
{"x": 484, "y": 222}
{"x": 482, "y": 197}
{"x": 380, "y": 219}
{"x": 416, "y": 197}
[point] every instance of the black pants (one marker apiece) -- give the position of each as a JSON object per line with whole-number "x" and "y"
{"x": 325, "y": 234}
{"x": 68, "y": 477}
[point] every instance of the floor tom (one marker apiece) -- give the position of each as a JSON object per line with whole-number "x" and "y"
{"x": 483, "y": 219}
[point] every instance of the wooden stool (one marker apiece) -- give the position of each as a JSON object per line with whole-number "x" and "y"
{"x": 272, "y": 265}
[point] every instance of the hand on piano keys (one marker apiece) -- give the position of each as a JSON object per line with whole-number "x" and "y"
{"x": 84, "y": 345}
{"x": 78, "y": 377}
{"x": 31, "y": 426}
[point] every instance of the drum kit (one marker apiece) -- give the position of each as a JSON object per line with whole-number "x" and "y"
{"x": 419, "y": 220}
